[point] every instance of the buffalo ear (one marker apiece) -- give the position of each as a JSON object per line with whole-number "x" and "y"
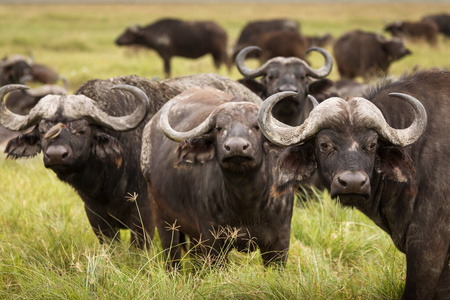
{"x": 295, "y": 164}
{"x": 255, "y": 86}
{"x": 322, "y": 89}
{"x": 195, "y": 150}
{"x": 108, "y": 148}
{"x": 25, "y": 145}
{"x": 395, "y": 164}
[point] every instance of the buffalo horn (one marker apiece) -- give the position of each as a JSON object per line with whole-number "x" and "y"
{"x": 411, "y": 134}
{"x": 367, "y": 113}
{"x": 283, "y": 134}
{"x": 123, "y": 123}
{"x": 325, "y": 69}
{"x": 9, "y": 119}
{"x": 246, "y": 71}
{"x": 252, "y": 73}
{"x": 78, "y": 107}
{"x": 178, "y": 136}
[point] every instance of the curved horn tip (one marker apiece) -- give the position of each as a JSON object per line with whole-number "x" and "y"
{"x": 286, "y": 94}
{"x": 313, "y": 100}
{"x": 127, "y": 87}
{"x": 252, "y": 48}
{"x": 398, "y": 95}
{"x": 315, "y": 48}
{"x": 11, "y": 87}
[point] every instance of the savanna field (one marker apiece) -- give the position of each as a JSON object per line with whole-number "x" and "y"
{"x": 47, "y": 247}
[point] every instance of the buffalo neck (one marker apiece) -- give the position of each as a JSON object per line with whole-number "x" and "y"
{"x": 246, "y": 191}
{"x": 390, "y": 207}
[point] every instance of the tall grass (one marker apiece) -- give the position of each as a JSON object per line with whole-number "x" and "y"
{"x": 47, "y": 248}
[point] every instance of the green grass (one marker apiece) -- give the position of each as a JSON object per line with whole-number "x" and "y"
{"x": 47, "y": 249}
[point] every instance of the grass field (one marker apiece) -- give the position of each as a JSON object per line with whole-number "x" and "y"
{"x": 47, "y": 249}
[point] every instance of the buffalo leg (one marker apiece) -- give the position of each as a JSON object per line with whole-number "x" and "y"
{"x": 170, "y": 240}
{"x": 443, "y": 288}
{"x": 167, "y": 68}
{"x": 102, "y": 225}
{"x": 274, "y": 256}
{"x": 425, "y": 265}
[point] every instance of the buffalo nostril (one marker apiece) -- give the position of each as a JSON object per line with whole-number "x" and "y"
{"x": 236, "y": 145}
{"x": 342, "y": 182}
{"x": 351, "y": 182}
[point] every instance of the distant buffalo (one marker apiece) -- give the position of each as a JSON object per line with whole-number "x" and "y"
{"x": 283, "y": 43}
{"x": 366, "y": 54}
{"x": 287, "y": 74}
{"x": 173, "y": 37}
{"x": 421, "y": 30}
{"x": 442, "y": 21}
{"x": 46, "y": 75}
{"x": 252, "y": 34}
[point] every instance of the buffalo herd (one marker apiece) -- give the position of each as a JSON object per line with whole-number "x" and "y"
{"x": 219, "y": 160}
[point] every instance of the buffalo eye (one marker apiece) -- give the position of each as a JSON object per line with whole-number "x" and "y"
{"x": 324, "y": 147}
{"x": 371, "y": 147}
{"x": 257, "y": 127}
{"x": 218, "y": 129}
{"x": 300, "y": 77}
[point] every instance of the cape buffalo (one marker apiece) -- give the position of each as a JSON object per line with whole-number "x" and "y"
{"x": 366, "y": 54}
{"x": 209, "y": 172}
{"x": 46, "y": 75}
{"x": 252, "y": 33}
{"x": 397, "y": 177}
{"x": 87, "y": 143}
{"x": 172, "y": 37}
{"x": 442, "y": 21}
{"x": 420, "y": 30}
{"x": 287, "y": 74}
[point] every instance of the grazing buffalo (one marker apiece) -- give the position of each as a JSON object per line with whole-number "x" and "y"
{"x": 88, "y": 144}
{"x": 442, "y": 21}
{"x": 421, "y": 30}
{"x": 366, "y": 54}
{"x": 209, "y": 172}
{"x": 252, "y": 34}
{"x": 283, "y": 43}
{"x": 383, "y": 157}
{"x": 15, "y": 69}
{"x": 287, "y": 74}
{"x": 172, "y": 37}
{"x": 44, "y": 74}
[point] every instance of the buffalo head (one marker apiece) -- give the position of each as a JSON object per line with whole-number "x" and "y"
{"x": 347, "y": 140}
{"x": 230, "y": 134}
{"x": 69, "y": 129}
{"x": 281, "y": 74}
{"x": 130, "y": 36}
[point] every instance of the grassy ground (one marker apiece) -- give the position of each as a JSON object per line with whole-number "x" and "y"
{"x": 47, "y": 249}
